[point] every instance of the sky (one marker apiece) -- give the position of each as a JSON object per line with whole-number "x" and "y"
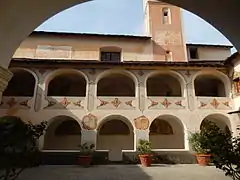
{"x": 125, "y": 17}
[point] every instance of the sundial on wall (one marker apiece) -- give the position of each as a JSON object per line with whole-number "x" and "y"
{"x": 168, "y": 38}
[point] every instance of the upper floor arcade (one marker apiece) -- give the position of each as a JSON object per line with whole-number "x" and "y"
{"x": 121, "y": 88}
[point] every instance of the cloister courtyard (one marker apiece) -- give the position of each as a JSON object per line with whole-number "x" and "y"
{"x": 124, "y": 172}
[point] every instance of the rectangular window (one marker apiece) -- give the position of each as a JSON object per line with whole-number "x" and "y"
{"x": 111, "y": 56}
{"x": 193, "y": 53}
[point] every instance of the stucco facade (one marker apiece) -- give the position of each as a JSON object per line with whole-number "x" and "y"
{"x": 151, "y": 93}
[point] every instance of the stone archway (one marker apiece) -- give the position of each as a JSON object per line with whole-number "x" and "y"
{"x": 67, "y": 84}
{"x": 220, "y": 120}
{"x": 167, "y": 132}
{"x": 115, "y": 134}
{"x": 163, "y": 85}
{"x": 15, "y": 88}
{"x": 116, "y": 84}
{"x": 209, "y": 85}
{"x": 63, "y": 133}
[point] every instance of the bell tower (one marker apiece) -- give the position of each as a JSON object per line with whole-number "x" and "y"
{"x": 163, "y": 23}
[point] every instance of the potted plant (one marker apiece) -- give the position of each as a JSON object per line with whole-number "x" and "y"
{"x": 85, "y": 155}
{"x": 197, "y": 141}
{"x": 145, "y": 152}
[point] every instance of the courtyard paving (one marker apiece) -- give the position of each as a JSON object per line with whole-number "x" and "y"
{"x": 124, "y": 172}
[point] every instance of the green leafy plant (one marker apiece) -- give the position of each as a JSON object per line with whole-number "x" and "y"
{"x": 19, "y": 146}
{"x": 86, "y": 149}
{"x": 197, "y": 139}
{"x": 224, "y": 148}
{"x": 144, "y": 147}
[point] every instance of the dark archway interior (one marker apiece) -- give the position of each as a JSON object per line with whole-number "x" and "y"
{"x": 116, "y": 85}
{"x": 114, "y": 127}
{"x": 64, "y": 133}
{"x": 115, "y": 135}
{"x": 163, "y": 85}
{"x": 67, "y": 85}
{"x": 211, "y": 86}
{"x": 21, "y": 85}
{"x": 166, "y": 133}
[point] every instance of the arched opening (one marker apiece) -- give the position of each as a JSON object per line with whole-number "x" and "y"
{"x": 166, "y": 15}
{"x": 220, "y": 120}
{"x": 163, "y": 85}
{"x": 115, "y": 133}
{"x": 208, "y": 85}
{"x": 116, "y": 84}
{"x": 63, "y": 133}
{"x": 22, "y": 84}
{"x": 67, "y": 84}
{"x": 166, "y": 132}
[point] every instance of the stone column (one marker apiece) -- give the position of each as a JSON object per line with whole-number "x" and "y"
{"x": 5, "y": 77}
{"x": 141, "y": 95}
{"x": 39, "y": 92}
{"x": 91, "y": 95}
{"x": 41, "y": 142}
{"x": 190, "y": 95}
{"x": 89, "y": 136}
{"x": 186, "y": 141}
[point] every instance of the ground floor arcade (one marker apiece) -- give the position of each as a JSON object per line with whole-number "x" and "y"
{"x": 116, "y": 134}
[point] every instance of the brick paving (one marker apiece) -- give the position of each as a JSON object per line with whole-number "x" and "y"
{"x": 124, "y": 172}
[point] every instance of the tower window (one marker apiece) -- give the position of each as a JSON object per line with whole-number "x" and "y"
{"x": 193, "y": 53}
{"x": 166, "y": 15}
{"x": 168, "y": 55}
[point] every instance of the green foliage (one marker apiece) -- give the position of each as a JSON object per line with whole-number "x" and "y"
{"x": 144, "y": 147}
{"x": 224, "y": 148}
{"x": 86, "y": 149}
{"x": 19, "y": 146}
{"x": 197, "y": 140}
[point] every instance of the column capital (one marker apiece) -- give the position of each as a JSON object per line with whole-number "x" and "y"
{"x": 5, "y": 76}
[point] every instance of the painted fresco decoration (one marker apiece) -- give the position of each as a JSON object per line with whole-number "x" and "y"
{"x": 153, "y": 103}
{"x": 102, "y": 103}
{"x": 78, "y": 104}
{"x": 16, "y": 102}
{"x": 179, "y": 103}
{"x": 214, "y": 103}
{"x": 129, "y": 103}
{"x": 116, "y": 103}
{"x": 65, "y": 103}
{"x": 166, "y": 103}
{"x": 141, "y": 123}
{"x": 89, "y": 122}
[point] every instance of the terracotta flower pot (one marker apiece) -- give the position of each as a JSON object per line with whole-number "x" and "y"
{"x": 146, "y": 160}
{"x": 203, "y": 159}
{"x": 85, "y": 161}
